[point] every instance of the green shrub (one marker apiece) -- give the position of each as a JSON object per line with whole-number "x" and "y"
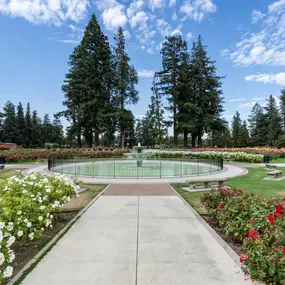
{"x": 259, "y": 224}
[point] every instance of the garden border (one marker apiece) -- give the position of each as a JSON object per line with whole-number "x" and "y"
{"x": 214, "y": 234}
{"x": 35, "y": 260}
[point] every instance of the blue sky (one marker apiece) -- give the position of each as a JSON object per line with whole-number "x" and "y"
{"x": 245, "y": 38}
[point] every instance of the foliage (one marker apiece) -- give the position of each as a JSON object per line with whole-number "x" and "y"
{"x": 259, "y": 224}
{"x": 237, "y": 156}
{"x": 26, "y": 208}
{"x": 17, "y": 155}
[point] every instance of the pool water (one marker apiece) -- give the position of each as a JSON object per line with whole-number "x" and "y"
{"x": 129, "y": 169}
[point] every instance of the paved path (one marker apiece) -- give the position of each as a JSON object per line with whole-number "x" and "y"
{"x": 131, "y": 240}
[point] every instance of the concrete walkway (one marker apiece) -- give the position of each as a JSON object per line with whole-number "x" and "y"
{"x": 131, "y": 240}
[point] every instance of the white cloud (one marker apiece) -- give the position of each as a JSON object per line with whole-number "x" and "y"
{"x": 256, "y": 16}
{"x": 114, "y": 17}
{"x": 127, "y": 34}
{"x": 172, "y": 3}
{"x": 68, "y": 41}
{"x": 197, "y": 9}
{"x": 144, "y": 73}
{"x": 139, "y": 20}
{"x": 163, "y": 27}
{"x": 237, "y": 100}
{"x": 135, "y": 7}
{"x": 53, "y": 12}
{"x": 189, "y": 36}
{"x": 266, "y": 47}
{"x": 174, "y": 17}
{"x": 154, "y": 4}
{"x": 247, "y": 105}
{"x": 278, "y": 78}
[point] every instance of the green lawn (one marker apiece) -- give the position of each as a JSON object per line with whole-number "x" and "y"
{"x": 10, "y": 172}
{"x": 278, "y": 160}
{"x": 253, "y": 182}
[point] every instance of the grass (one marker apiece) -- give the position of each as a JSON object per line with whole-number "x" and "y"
{"x": 9, "y": 173}
{"x": 278, "y": 160}
{"x": 253, "y": 182}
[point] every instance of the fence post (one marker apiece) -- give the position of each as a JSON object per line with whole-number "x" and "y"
{"x": 198, "y": 168}
{"x": 75, "y": 172}
{"x": 181, "y": 168}
{"x": 160, "y": 170}
{"x": 93, "y": 169}
{"x": 114, "y": 169}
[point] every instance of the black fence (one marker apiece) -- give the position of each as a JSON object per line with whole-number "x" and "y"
{"x": 130, "y": 168}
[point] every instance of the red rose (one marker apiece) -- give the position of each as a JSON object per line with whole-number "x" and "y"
{"x": 239, "y": 192}
{"x": 271, "y": 219}
{"x": 201, "y": 201}
{"x": 253, "y": 234}
{"x": 284, "y": 250}
{"x": 243, "y": 257}
{"x": 280, "y": 209}
{"x": 222, "y": 206}
{"x": 283, "y": 200}
{"x": 277, "y": 214}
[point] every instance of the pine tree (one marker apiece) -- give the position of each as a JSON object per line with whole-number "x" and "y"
{"x": 1, "y": 126}
{"x": 244, "y": 135}
{"x": 206, "y": 89}
{"x": 221, "y": 137}
{"x": 57, "y": 132}
{"x": 282, "y": 109}
{"x": 28, "y": 126}
{"x": 173, "y": 52}
{"x": 155, "y": 116}
{"x": 36, "y": 137}
{"x": 124, "y": 81}
{"x": 21, "y": 126}
{"x": 258, "y": 126}
{"x": 273, "y": 118}
{"x": 88, "y": 83}
{"x": 10, "y": 134}
{"x": 46, "y": 130}
{"x": 236, "y": 130}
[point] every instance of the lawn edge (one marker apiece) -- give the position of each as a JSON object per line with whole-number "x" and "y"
{"x": 224, "y": 244}
{"x": 34, "y": 261}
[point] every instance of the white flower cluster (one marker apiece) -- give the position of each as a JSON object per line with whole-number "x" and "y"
{"x": 236, "y": 156}
{"x": 27, "y": 204}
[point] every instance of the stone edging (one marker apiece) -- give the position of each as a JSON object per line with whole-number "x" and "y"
{"x": 224, "y": 245}
{"x": 55, "y": 239}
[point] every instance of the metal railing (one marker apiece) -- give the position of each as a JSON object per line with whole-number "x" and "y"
{"x": 122, "y": 168}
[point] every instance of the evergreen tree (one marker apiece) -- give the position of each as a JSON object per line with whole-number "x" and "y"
{"x": 244, "y": 135}
{"x": 173, "y": 52}
{"x": 124, "y": 81}
{"x": 87, "y": 85}
{"x": 1, "y": 126}
{"x": 21, "y": 126}
{"x": 236, "y": 130}
{"x": 221, "y": 137}
{"x": 28, "y": 126}
{"x": 155, "y": 116}
{"x": 273, "y": 118}
{"x": 282, "y": 109}
{"x": 258, "y": 126}
{"x": 206, "y": 90}
{"x": 57, "y": 132}
{"x": 46, "y": 130}
{"x": 10, "y": 133}
{"x": 36, "y": 137}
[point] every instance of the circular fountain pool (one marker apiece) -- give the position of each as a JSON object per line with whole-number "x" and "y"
{"x": 131, "y": 169}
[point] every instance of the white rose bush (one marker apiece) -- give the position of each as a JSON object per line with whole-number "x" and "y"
{"x": 26, "y": 207}
{"x": 236, "y": 156}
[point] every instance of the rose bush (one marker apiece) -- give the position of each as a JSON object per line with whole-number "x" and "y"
{"x": 26, "y": 207}
{"x": 237, "y": 156}
{"x": 20, "y": 154}
{"x": 259, "y": 224}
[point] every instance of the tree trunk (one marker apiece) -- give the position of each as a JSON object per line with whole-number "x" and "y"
{"x": 193, "y": 140}
{"x": 185, "y": 139}
{"x": 199, "y": 140}
{"x": 175, "y": 135}
{"x": 79, "y": 142}
{"x": 97, "y": 139}
{"x": 89, "y": 139}
{"x": 122, "y": 139}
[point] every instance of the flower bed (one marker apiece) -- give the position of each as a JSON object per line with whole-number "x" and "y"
{"x": 259, "y": 224}
{"x": 16, "y": 155}
{"x": 26, "y": 207}
{"x": 256, "y": 150}
{"x": 237, "y": 156}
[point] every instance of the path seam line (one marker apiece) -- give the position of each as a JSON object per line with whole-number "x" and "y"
{"x": 137, "y": 249}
